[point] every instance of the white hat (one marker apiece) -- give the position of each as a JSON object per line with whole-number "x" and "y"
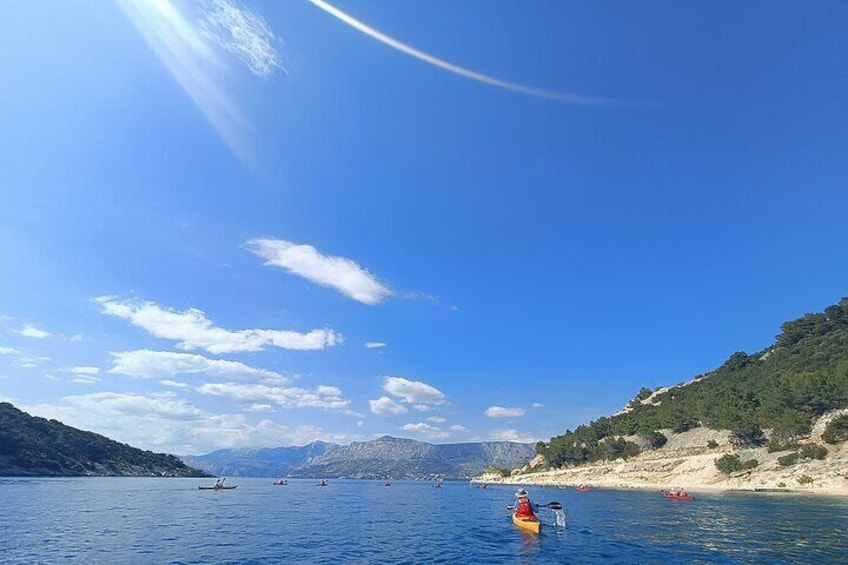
{"x": 521, "y": 493}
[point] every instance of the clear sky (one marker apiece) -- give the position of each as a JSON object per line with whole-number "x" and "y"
{"x": 230, "y": 224}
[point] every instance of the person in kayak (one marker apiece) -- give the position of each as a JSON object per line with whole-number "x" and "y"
{"x": 524, "y": 508}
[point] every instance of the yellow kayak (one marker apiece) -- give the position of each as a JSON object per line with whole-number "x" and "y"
{"x": 531, "y": 524}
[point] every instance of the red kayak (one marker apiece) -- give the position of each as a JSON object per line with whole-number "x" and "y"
{"x": 676, "y": 496}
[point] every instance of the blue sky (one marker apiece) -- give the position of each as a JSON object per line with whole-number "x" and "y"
{"x": 232, "y": 224}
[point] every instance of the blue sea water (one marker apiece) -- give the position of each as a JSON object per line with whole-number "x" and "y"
{"x": 139, "y": 520}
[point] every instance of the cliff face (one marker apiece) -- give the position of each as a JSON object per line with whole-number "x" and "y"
{"x": 31, "y": 446}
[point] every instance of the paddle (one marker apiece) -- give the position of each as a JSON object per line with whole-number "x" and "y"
{"x": 550, "y": 505}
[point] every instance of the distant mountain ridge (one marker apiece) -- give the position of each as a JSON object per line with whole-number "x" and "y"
{"x": 37, "y": 447}
{"x": 383, "y": 457}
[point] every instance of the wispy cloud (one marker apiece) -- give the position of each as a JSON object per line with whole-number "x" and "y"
{"x": 147, "y": 364}
{"x": 513, "y": 435}
{"x": 413, "y": 392}
{"x": 193, "y": 330}
{"x": 244, "y": 33}
{"x": 8, "y": 351}
{"x": 385, "y": 406}
{"x": 33, "y": 332}
{"x": 193, "y": 46}
{"x": 85, "y": 370}
{"x": 374, "y": 345}
{"x": 451, "y": 67}
{"x": 501, "y": 412}
{"x": 286, "y": 397}
{"x": 174, "y": 384}
{"x": 339, "y": 273}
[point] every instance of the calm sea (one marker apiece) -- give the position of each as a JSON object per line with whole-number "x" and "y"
{"x": 123, "y": 520}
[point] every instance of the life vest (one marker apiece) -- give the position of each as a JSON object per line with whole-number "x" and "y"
{"x": 524, "y": 507}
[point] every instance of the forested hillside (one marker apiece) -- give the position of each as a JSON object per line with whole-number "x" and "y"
{"x": 782, "y": 390}
{"x": 32, "y": 446}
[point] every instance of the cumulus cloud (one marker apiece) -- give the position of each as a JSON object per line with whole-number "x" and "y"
{"x": 374, "y": 344}
{"x": 413, "y": 392}
{"x": 165, "y": 422}
{"x": 192, "y": 330}
{"x": 244, "y": 33}
{"x": 85, "y": 370}
{"x": 286, "y": 397}
{"x": 148, "y": 364}
{"x": 385, "y": 406}
{"x": 427, "y": 430}
{"x": 33, "y": 332}
{"x": 76, "y": 338}
{"x": 436, "y": 419}
{"x": 501, "y": 412}
{"x": 339, "y": 273}
{"x": 260, "y": 408}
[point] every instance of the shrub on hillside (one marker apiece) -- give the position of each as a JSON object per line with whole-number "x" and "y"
{"x": 712, "y": 444}
{"x": 789, "y": 459}
{"x": 777, "y": 445}
{"x": 656, "y": 439}
{"x": 836, "y": 430}
{"x": 813, "y": 451}
{"x": 729, "y": 463}
{"x": 748, "y": 436}
{"x": 805, "y": 480}
{"x": 750, "y": 464}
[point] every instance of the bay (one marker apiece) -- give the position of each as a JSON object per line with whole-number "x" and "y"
{"x": 150, "y": 520}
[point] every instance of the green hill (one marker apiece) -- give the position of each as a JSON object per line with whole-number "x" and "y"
{"x": 781, "y": 390}
{"x": 31, "y": 446}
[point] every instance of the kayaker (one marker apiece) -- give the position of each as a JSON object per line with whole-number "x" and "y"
{"x": 525, "y": 508}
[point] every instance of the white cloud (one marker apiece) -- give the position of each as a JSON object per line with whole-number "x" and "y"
{"x": 513, "y": 435}
{"x": 427, "y": 430}
{"x": 286, "y": 397}
{"x": 76, "y": 338}
{"x": 148, "y": 364}
{"x": 8, "y": 351}
{"x": 32, "y": 362}
{"x": 340, "y": 273}
{"x": 86, "y": 380}
{"x": 192, "y": 330}
{"x": 85, "y": 370}
{"x": 413, "y": 392}
{"x": 174, "y": 384}
{"x": 385, "y": 406}
{"x": 458, "y": 428}
{"x": 436, "y": 419}
{"x": 374, "y": 344}
{"x": 243, "y": 33}
{"x": 501, "y": 412}
{"x": 421, "y": 407}
{"x": 165, "y": 422}
{"x": 260, "y": 408}
{"x": 33, "y": 332}
{"x": 537, "y": 405}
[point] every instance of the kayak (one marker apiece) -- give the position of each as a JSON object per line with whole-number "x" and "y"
{"x": 675, "y": 496}
{"x": 218, "y": 488}
{"x": 529, "y": 523}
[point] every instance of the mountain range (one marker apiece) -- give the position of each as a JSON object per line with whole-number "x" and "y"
{"x": 376, "y": 459}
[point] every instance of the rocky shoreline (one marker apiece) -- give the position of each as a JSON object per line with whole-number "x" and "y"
{"x": 687, "y": 461}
